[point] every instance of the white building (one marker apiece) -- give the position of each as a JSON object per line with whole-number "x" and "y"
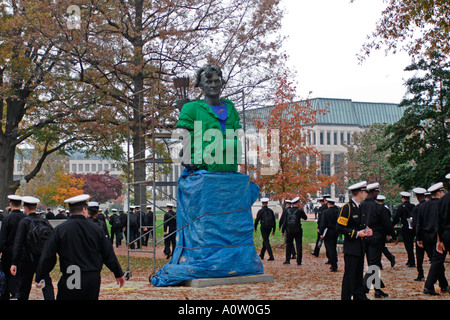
{"x": 334, "y": 130}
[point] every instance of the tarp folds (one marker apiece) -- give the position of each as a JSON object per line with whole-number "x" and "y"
{"x": 215, "y": 239}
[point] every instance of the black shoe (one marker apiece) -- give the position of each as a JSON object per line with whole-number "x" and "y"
{"x": 333, "y": 269}
{"x": 286, "y": 262}
{"x": 420, "y": 277}
{"x": 380, "y": 294}
{"x": 393, "y": 262}
{"x": 430, "y": 292}
{"x": 445, "y": 290}
{"x": 271, "y": 259}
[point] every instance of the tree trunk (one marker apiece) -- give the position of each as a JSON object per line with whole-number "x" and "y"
{"x": 7, "y": 184}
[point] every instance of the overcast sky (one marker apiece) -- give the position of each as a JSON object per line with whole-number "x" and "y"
{"x": 324, "y": 38}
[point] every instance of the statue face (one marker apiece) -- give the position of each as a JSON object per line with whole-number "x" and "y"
{"x": 211, "y": 86}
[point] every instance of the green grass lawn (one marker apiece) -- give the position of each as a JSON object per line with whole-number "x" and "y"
{"x": 309, "y": 232}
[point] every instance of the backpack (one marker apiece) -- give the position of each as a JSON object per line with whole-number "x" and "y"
{"x": 115, "y": 222}
{"x": 268, "y": 218}
{"x": 292, "y": 223}
{"x": 38, "y": 233}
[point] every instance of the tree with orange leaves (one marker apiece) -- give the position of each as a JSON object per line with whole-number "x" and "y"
{"x": 293, "y": 166}
{"x": 63, "y": 186}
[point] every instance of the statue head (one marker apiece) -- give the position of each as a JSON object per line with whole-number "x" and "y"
{"x": 210, "y": 80}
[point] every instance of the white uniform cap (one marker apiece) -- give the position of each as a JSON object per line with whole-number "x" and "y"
{"x": 93, "y": 204}
{"x": 419, "y": 190}
{"x": 362, "y": 185}
{"x": 30, "y": 200}
{"x": 295, "y": 199}
{"x": 373, "y": 187}
{"x": 381, "y": 198}
{"x": 78, "y": 200}
{"x": 288, "y": 201}
{"x": 332, "y": 200}
{"x": 405, "y": 194}
{"x": 436, "y": 187}
{"x": 14, "y": 197}
{"x": 447, "y": 176}
{"x": 325, "y": 196}
{"x": 169, "y": 205}
{"x": 114, "y": 210}
{"x": 265, "y": 200}
{"x": 319, "y": 198}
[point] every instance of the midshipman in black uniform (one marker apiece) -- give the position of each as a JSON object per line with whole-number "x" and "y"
{"x": 7, "y": 236}
{"x": 82, "y": 249}
{"x": 428, "y": 227}
{"x": 32, "y": 232}
{"x": 352, "y": 223}
{"x": 327, "y": 230}
{"x": 404, "y": 215}
{"x": 420, "y": 251}
{"x": 268, "y": 225}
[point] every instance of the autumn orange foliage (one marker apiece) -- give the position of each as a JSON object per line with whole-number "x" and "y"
{"x": 299, "y": 161}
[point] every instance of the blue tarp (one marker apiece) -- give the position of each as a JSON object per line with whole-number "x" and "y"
{"x": 215, "y": 236}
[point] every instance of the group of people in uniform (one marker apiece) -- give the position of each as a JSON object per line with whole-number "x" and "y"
{"x": 29, "y": 247}
{"x": 366, "y": 224}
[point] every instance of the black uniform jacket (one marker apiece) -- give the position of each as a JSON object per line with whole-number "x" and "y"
{"x": 444, "y": 216}
{"x": 404, "y": 212}
{"x": 20, "y": 250}
{"x": 351, "y": 220}
{"x": 81, "y": 243}
{"x": 9, "y": 229}
{"x": 377, "y": 220}
{"x": 328, "y": 221}
{"x": 266, "y": 222}
{"x": 427, "y": 220}
{"x": 170, "y": 221}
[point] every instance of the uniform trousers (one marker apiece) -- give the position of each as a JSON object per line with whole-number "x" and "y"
{"x": 265, "y": 234}
{"x": 290, "y": 237}
{"x": 89, "y": 288}
{"x": 352, "y": 283}
{"x": 408, "y": 239}
{"x": 437, "y": 269}
{"x": 25, "y": 274}
{"x": 330, "y": 241}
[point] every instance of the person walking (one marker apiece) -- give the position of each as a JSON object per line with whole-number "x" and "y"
{"x": 7, "y": 235}
{"x": 267, "y": 218}
{"x": 82, "y": 249}
{"x": 293, "y": 228}
{"x": 32, "y": 234}
{"x": 327, "y": 229}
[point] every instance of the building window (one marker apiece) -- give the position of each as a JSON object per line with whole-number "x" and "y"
{"x": 80, "y": 167}
{"x": 86, "y": 167}
{"x": 94, "y": 167}
{"x": 74, "y": 167}
{"x": 326, "y": 164}
{"x": 106, "y": 167}
{"x": 348, "y": 138}
{"x": 100, "y": 167}
{"x": 328, "y": 138}
{"x": 342, "y": 138}
{"x": 314, "y": 138}
{"x": 321, "y": 138}
{"x": 335, "y": 137}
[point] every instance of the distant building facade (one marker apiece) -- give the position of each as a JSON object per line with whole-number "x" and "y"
{"x": 334, "y": 130}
